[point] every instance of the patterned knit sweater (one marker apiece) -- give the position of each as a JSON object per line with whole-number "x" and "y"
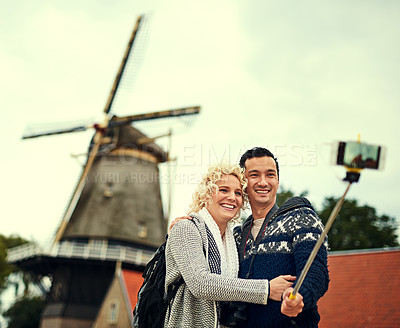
{"x": 188, "y": 247}
{"x": 286, "y": 243}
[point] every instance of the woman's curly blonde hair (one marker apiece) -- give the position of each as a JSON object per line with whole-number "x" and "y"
{"x": 207, "y": 187}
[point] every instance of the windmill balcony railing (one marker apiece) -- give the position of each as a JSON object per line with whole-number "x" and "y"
{"x": 98, "y": 250}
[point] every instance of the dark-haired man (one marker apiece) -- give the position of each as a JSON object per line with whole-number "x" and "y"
{"x": 282, "y": 239}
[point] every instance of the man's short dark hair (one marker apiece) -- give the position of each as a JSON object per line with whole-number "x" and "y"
{"x": 257, "y": 152}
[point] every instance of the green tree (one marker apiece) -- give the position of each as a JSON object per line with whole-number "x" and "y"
{"x": 284, "y": 194}
{"x": 6, "y": 268}
{"x": 25, "y": 312}
{"x": 358, "y": 227}
{"x": 8, "y": 271}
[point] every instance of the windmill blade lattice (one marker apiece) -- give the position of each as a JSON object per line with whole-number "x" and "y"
{"x": 55, "y": 132}
{"x": 116, "y": 121}
{"x": 110, "y": 99}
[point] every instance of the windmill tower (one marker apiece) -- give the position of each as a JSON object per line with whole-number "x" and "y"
{"x": 115, "y": 215}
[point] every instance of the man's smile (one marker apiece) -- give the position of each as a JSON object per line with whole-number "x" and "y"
{"x": 262, "y": 191}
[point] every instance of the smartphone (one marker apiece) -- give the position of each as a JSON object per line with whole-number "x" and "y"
{"x": 359, "y": 155}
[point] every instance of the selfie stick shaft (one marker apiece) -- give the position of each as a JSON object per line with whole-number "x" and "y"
{"x": 314, "y": 252}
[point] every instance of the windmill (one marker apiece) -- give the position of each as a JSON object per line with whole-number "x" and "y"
{"x": 115, "y": 214}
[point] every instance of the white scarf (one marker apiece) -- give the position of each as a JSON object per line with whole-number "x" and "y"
{"x": 226, "y": 247}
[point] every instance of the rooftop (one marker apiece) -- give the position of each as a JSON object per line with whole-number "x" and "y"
{"x": 363, "y": 290}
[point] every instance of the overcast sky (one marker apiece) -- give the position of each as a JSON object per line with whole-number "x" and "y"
{"x": 292, "y": 76}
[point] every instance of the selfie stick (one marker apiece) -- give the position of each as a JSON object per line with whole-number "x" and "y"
{"x": 351, "y": 176}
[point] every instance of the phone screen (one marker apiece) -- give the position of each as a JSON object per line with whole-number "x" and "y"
{"x": 358, "y": 155}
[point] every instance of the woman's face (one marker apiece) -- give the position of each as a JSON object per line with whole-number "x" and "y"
{"x": 228, "y": 199}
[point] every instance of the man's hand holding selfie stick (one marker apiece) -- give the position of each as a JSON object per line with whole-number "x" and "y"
{"x": 291, "y": 307}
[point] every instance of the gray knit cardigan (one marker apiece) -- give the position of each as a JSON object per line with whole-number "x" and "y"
{"x": 195, "y": 301}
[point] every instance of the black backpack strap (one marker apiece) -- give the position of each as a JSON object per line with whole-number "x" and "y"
{"x": 172, "y": 289}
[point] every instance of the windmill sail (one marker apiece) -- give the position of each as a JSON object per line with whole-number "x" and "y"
{"x": 115, "y": 217}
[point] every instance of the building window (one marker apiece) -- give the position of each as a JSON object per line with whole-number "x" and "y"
{"x": 113, "y": 309}
{"x": 142, "y": 230}
{"x": 108, "y": 190}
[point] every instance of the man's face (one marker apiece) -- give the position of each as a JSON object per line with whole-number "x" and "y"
{"x": 263, "y": 182}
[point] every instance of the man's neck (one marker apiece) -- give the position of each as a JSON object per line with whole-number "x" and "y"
{"x": 260, "y": 212}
